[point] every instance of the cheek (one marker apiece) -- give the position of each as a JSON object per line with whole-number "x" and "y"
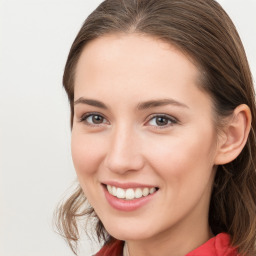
{"x": 86, "y": 153}
{"x": 184, "y": 156}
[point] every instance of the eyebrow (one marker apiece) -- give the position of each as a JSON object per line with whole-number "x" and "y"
{"x": 159, "y": 103}
{"x": 91, "y": 102}
{"x": 140, "y": 106}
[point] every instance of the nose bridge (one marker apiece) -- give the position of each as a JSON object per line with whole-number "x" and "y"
{"x": 124, "y": 152}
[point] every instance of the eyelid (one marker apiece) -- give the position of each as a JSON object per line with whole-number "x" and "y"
{"x": 168, "y": 117}
{"x": 88, "y": 114}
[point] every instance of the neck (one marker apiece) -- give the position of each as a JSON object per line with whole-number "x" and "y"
{"x": 179, "y": 240}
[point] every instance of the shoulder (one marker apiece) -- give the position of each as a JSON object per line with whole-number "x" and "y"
{"x": 216, "y": 246}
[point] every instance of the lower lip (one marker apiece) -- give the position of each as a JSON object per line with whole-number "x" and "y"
{"x": 127, "y": 205}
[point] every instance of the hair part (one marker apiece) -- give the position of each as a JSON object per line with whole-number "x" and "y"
{"x": 203, "y": 31}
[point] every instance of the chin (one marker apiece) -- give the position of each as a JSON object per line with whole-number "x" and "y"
{"x": 129, "y": 232}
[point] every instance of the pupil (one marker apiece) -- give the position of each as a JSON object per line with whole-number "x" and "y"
{"x": 161, "y": 121}
{"x": 97, "y": 119}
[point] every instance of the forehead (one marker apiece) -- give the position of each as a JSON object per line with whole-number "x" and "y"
{"x": 136, "y": 45}
{"x": 131, "y": 54}
{"x": 139, "y": 66}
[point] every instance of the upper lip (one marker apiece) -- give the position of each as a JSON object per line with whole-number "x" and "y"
{"x": 128, "y": 184}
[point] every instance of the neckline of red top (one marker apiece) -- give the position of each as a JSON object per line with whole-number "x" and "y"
{"x": 216, "y": 246}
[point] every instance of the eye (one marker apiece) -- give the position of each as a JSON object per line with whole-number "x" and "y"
{"x": 162, "y": 121}
{"x": 93, "y": 119}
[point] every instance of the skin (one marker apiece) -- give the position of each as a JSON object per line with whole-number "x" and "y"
{"x": 127, "y": 144}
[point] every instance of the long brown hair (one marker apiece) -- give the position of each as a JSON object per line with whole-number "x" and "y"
{"x": 202, "y": 30}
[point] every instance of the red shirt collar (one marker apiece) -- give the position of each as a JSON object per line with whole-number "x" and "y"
{"x": 216, "y": 246}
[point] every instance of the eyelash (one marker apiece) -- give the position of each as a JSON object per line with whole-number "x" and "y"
{"x": 92, "y": 114}
{"x": 171, "y": 120}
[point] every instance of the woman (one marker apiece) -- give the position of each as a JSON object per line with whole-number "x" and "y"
{"x": 163, "y": 130}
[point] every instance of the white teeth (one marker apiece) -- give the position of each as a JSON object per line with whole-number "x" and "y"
{"x": 109, "y": 189}
{"x": 138, "y": 193}
{"x": 152, "y": 190}
{"x": 120, "y": 193}
{"x": 130, "y": 193}
{"x": 145, "y": 191}
{"x": 113, "y": 191}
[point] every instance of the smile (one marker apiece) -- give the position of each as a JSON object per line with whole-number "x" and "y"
{"x": 130, "y": 193}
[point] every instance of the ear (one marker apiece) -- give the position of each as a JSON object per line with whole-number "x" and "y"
{"x": 235, "y": 134}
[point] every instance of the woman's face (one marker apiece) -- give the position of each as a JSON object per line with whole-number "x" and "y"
{"x": 144, "y": 129}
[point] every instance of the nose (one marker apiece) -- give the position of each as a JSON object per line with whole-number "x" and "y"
{"x": 124, "y": 152}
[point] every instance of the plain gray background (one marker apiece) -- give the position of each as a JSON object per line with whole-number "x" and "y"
{"x": 35, "y": 161}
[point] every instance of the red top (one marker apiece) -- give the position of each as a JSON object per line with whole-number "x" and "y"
{"x": 216, "y": 246}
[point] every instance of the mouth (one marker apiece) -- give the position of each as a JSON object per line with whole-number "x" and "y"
{"x": 131, "y": 193}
